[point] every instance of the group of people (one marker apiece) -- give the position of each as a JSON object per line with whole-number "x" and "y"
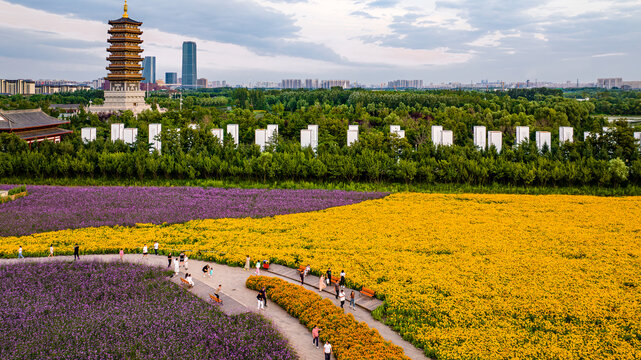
{"x": 327, "y": 348}
{"x": 248, "y": 265}
{"x": 181, "y": 260}
{"x": 145, "y": 252}
{"x": 76, "y": 252}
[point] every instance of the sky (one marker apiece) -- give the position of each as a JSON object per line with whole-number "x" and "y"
{"x": 369, "y": 41}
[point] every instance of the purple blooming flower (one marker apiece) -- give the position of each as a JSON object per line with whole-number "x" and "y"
{"x": 50, "y": 208}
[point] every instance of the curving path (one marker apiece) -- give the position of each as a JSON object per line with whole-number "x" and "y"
{"x": 238, "y": 299}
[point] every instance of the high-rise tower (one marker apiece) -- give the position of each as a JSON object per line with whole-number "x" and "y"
{"x": 149, "y": 70}
{"x": 124, "y": 68}
{"x": 189, "y": 65}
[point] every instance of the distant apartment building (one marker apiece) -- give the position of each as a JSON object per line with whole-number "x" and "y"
{"x": 328, "y": 84}
{"x": 631, "y": 85}
{"x": 17, "y": 87}
{"x": 311, "y": 83}
{"x": 149, "y": 70}
{"x": 171, "y": 78}
{"x": 201, "y": 83}
{"x": 219, "y": 84}
{"x": 405, "y": 84}
{"x": 609, "y": 83}
{"x": 98, "y": 84}
{"x": 291, "y": 84}
{"x": 54, "y": 89}
{"x": 190, "y": 74}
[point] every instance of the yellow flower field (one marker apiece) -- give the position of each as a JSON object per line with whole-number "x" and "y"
{"x": 465, "y": 276}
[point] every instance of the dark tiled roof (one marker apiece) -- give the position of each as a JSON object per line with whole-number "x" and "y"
{"x": 125, "y": 21}
{"x": 42, "y": 133}
{"x": 27, "y": 119}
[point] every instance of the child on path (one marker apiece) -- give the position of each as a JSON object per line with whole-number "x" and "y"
{"x": 264, "y": 292}
{"x": 258, "y": 268}
{"x": 20, "y": 253}
{"x": 352, "y": 297}
{"x": 328, "y": 350}
{"x": 76, "y": 252}
{"x": 50, "y": 250}
{"x": 144, "y": 251}
{"x": 247, "y": 263}
{"x": 156, "y": 247}
{"x": 341, "y": 296}
{"x": 121, "y": 253}
{"x": 315, "y": 332}
{"x": 211, "y": 271}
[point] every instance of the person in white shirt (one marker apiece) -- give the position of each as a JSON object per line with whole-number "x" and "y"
{"x": 189, "y": 279}
{"x": 186, "y": 263}
{"x": 156, "y": 247}
{"x": 51, "y": 250}
{"x": 176, "y": 267}
{"x": 258, "y": 268}
{"x": 327, "y": 348}
{"x": 20, "y": 253}
{"x": 341, "y": 297}
{"x": 144, "y": 251}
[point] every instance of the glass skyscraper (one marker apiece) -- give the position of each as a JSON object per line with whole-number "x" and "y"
{"x": 149, "y": 70}
{"x": 189, "y": 65}
{"x": 171, "y": 78}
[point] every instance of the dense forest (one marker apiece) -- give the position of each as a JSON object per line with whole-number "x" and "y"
{"x": 610, "y": 160}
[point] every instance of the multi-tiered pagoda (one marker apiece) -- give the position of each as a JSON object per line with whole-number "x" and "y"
{"x": 124, "y": 68}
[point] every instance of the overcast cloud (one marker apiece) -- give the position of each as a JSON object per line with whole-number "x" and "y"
{"x": 370, "y": 41}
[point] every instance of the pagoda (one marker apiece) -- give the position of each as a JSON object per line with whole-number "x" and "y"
{"x": 124, "y": 68}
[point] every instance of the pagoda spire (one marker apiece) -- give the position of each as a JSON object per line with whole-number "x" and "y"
{"x": 125, "y": 15}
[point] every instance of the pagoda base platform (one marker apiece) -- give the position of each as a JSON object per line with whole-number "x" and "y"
{"x": 117, "y": 101}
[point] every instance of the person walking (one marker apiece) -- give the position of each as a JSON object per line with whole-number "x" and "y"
{"x": 247, "y": 263}
{"x": 337, "y": 289}
{"x": 328, "y": 278}
{"x": 20, "y": 253}
{"x": 315, "y": 333}
{"x": 352, "y": 299}
{"x": 341, "y": 297}
{"x": 144, "y": 251}
{"x": 182, "y": 258}
{"x": 327, "y": 349}
{"x": 76, "y": 252}
{"x": 186, "y": 263}
{"x": 169, "y": 260}
{"x": 121, "y": 253}
{"x": 302, "y": 277}
{"x": 156, "y": 247}
{"x": 263, "y": 291}
{"x": 50, "y": 250}
{"x": 342, "y": 283}
{"x": 321, "y": 283}
{"x": 259, "y": 297}
{"x": 176, "y": 267}
{"x": 258, "y": 268}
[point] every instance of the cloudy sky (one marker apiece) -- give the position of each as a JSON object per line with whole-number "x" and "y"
{"x": 370, "y": 41}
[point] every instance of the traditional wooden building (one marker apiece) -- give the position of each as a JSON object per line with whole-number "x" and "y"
{"x": 32, "y": 125}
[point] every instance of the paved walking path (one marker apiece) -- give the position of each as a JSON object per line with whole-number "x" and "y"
{"x": 238, "y": 299}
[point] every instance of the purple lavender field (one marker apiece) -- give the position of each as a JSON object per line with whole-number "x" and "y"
{"x": 93, "y": 310}
{"x": 50, "y": 208}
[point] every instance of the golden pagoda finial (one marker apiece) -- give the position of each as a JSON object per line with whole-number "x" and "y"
{"x": 125, "y": 15}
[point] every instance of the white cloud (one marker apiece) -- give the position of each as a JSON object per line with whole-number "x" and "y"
{"x": 493, "y": 39}
{"x": 608, "y": 55}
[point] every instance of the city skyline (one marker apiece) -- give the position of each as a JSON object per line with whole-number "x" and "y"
{"x": 370, "y": 42}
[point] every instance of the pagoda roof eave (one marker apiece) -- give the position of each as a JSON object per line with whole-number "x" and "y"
{"x": 125, "y": 21}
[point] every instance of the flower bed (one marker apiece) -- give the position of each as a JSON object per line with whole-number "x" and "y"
{"x": 57, "y": 208}
{"x": 463, "y": 276}
{"x": 91, "y": 310}
{"x": 350, "y": 339}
